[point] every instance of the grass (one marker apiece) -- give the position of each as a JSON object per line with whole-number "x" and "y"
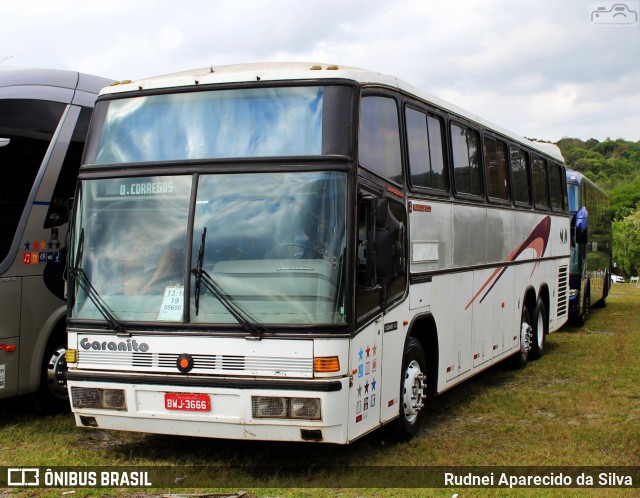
{"x": 579, "y": 405}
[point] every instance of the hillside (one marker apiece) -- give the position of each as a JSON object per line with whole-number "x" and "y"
{"x": 614, "y": 165}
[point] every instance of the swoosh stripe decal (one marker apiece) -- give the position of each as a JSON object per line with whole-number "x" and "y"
{"x": 537, "y": 240}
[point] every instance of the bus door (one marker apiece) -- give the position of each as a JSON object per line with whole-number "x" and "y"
{"x": 380, "y": 283}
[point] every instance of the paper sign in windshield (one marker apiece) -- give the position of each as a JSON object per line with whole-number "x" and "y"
{"x": 172, "y": 304}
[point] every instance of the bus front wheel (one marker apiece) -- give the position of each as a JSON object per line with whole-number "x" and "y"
{"x": 413, "y": 391}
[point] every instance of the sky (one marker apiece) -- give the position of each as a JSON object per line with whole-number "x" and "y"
{"x": 540, "y": 68}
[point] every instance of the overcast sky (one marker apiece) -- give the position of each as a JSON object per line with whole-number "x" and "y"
{"x": 537, "y": 67}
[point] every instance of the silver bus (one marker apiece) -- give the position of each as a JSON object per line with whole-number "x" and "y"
{"x": 44, "y": 117}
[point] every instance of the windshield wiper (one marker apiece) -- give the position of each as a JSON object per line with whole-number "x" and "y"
{"x": 246, "y": 321}
{"x": 80, "y": 276}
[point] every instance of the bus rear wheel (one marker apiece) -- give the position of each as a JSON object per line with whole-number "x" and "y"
{"x": 413, "y": 391}
{"x": 521, "y": 358}
{"x": 540, "y": 331}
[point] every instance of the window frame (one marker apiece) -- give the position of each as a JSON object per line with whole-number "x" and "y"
{"x": 545, "y": 163}
{"x": 401, "y": 135}
{"x": 557, "y": 167}
{"x": 497, "y": 140}
{"x": 478, "y": 198}
{"x": 443, "y": 144}
{"x": 526, "y": 155}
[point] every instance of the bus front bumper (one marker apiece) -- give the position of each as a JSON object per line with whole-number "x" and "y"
{"x": 254, "y": 409}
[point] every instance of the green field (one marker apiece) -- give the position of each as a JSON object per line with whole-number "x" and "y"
{"x": 579, "y": 405}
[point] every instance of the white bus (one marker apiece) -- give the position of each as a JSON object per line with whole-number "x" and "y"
{"x": 44, "y": 117}
{"x": 302, "y": 252}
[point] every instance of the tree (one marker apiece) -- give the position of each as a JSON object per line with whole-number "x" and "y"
{"x": 626, "y": 243}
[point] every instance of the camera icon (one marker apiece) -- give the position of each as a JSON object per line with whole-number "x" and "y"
{"x": 615, "y": 13}
{"x": 23, "y": 476}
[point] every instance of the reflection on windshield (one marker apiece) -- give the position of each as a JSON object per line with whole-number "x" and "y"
{"x": 263, "y": 122}
{"x": 275, "y": 247}
{"x": 134, "y": 246}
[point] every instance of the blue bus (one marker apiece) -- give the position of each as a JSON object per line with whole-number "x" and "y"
{"x": 591, "y": 243}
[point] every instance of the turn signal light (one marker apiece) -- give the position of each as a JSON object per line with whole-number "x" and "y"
{"x": 71, "y": 355}
{"x": 326, "y": 364}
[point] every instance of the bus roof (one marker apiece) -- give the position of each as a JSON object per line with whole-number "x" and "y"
{"x": 287, "y": 71}
{"x": 57, "y": 85}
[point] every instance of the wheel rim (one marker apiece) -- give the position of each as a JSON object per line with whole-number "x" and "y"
{"x": 56, "y": 367}
{"x": 525, "y": 338}
{"x": 413, "y": 391}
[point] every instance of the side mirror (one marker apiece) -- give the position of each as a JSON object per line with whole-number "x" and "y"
{"x": 581, "y": 226}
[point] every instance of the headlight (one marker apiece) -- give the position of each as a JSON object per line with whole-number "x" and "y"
{"x": 286, "y": 408}
{"x": 104, "y": 399}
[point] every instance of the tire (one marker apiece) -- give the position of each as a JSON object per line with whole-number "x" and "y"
{"x": 525, "y": 333}
{"x": 53, "y": 397}
{"x": 413, "y": 392}
{"x": 540, "y": 330}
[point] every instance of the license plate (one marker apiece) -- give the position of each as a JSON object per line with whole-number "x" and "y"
{"x": 187, "y": 402}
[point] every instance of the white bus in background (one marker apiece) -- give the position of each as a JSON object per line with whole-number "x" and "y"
{"x": 44, "y": 117}
{"x": 302, "y": 252}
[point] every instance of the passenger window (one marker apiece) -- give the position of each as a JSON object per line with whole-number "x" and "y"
{"x": 29, "y": 126}
{"x": 426, "y": 161}
{"x": 540, "y": 192}
{"x": 466, "y": 161}
{"x": 555, "y": 187}
{"x": 519, "y": 171}
{"x": 379, "y": 137}
{"x": 495, "y": 163}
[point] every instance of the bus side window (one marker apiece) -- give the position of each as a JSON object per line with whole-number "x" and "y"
{"x": 426, "y": 160}
{"x": 465, "y": 144}
{"x": 496, "y": 171}
{"x": 519, "y": 170}
{"x": 29, "y": 125}
{"x": 540, "y": 191}
{"x": 379, "y": 137}
{"x": 555, "y": 187}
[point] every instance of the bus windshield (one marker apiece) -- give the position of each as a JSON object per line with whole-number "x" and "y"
{"x": 275, "y": 245}
{"x": 214, "y": 124}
